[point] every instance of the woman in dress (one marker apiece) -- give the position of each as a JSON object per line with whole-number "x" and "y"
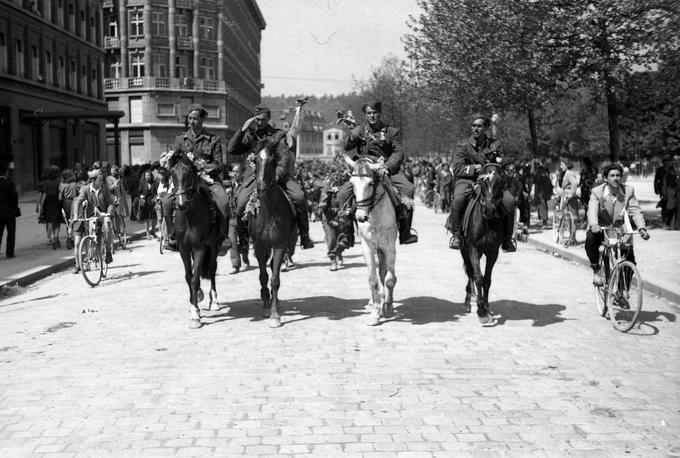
{"x": 147, "y": 195}
{"x": 50, "y": 205}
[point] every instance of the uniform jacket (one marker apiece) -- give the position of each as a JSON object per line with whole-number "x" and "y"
{"x": 606, "y": 210}
{"x": 467, "y": 155}
{"x": 9, "y": 199}
{"x": 384, "y": 142}
{"x": 247, "y": 142}
{"x": 205, "y": 146}
{"x": 101, "y": 199}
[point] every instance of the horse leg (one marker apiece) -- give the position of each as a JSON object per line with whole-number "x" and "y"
{"x": 373, "y": 284}
{"x": 212, "y": 271}
{"x": 196, "y": 289}
{"x": 274, "y": 317}
{"x": 475, "y": 260}
{"x": 490, "y": 261}
{"x": 389, "y": 280}
{"x": 262, "y": 255}
{"x": 470, "y": 292}
{"x": 194, "y": 313}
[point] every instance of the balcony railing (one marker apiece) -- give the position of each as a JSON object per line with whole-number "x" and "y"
{"x": 187, "y": 4}
{"x": 111, "y": 42}
{"x": 107, "y": 4}
{"x": 185, "y": 43}
{"x": 156, "y": 82}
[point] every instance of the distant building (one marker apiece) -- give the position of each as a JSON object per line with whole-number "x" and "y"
{"x": 52, "y": 108}
{"x": 333, "y": 142}
{"x": 309, "y": 141}
{"x": 162, "y": 56}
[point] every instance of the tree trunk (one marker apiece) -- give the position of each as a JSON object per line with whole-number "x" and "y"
{"x": 532, "y": 132}
{"x": 613, "y": 122}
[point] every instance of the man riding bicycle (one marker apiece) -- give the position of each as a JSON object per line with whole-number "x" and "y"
{"x": 607, "y": 206}
{"x": 93, "y": 196}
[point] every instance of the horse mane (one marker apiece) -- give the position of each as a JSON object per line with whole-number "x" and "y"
{"x": 180, "y": 157}
{"x": 361, "y": 165}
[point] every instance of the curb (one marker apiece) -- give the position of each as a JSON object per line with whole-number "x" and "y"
{"x": 647, "y": 285}
{"x": 54, "y": 268}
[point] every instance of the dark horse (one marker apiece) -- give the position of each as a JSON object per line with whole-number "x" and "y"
{"x": 482, "y": 235}
{"x": 197, "y": 237}
{"x": 271, "y": 224}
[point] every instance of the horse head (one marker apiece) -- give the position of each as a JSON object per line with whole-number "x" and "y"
{"x": 265, "y": 166}
{"x": 491, "y": 183}
{"x": 184, "y": 178}
{"x": 364, "y": 180}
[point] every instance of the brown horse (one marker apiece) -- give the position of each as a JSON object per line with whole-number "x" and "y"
{"x": 197, "y": 237}
{"x": 482, "y": 235}
{"x": 271, "y": 224}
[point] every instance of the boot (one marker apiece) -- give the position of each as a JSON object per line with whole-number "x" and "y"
{"x": 454, "y": 220}
{"x": 406, "y": 237}
{"x": 509, "y": 244}
{"x": 303, "y": 226}
{"x": 169, "y": 225}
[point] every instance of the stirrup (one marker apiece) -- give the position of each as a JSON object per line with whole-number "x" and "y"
{"x": 455, "y": 242}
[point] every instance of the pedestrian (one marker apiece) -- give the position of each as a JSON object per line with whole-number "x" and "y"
{"x": 9, "y": 210}
{"x": 49, "y": 205}
{"x": 445, "y": 187}
{"x": 542, "y": 192}
{"x": 238, "y": 253}
{"x": 68, "y": 191}
{"x": 147, "y": 197}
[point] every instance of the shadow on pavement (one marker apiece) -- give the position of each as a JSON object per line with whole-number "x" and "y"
{"x": 427, "y": 309}
{"x": 540, "y": 314}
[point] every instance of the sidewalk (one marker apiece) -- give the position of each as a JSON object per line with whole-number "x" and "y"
{"x": 34, "y": 258}
{"x": 658, "y": 258}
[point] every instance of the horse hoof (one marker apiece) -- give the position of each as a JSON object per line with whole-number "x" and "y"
{"x": 199, "y": 295}
{"x": 485, "y": 319}
{"x": 388, "y": 311}
{"x": 195, "y": 324}
{"x": 266, "y": 313}
{"x": 214, "y": 306}
{"x": 275, "y": 322}
{"x": 373, "y": 321}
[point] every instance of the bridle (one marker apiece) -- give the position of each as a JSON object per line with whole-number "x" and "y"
{"x": 488, "y": 175}
{"x": 369, "y": 202}
{"x": 190, "y": 190}
{"x": 268, "y": 183}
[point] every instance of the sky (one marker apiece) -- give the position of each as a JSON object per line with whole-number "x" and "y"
{"x": 316, "y": 47}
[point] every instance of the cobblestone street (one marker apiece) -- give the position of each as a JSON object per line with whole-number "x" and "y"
{"x": 116, "y": 371}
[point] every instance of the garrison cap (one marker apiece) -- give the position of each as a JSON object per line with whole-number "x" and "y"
{"x": 259, "y": 109}
{"x": 375, "y": 106}
{"x": 197, "y": 107}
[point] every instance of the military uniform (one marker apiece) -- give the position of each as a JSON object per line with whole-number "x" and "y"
{"x": 465, "y": 157}
{"x": 383, "y": 141}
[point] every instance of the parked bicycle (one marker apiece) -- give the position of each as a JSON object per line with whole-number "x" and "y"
{"x": 620, "y": 297}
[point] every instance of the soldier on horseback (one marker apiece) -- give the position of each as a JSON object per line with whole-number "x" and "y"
{"x": 378, "y": 140}
{"x": 254, "y": 132}
{"x": 205, "y": 150}
{"x": 469, "y": 157}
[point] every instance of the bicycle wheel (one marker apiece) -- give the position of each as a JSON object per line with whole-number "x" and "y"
{"x": 624, "y": 296}
{"x": 556, "y": 227}
{"x": 565, "y": 229}
{"x": 122, "y": 233}
{"x": 105, "y": 266}
{"x": 162, "y": 235}
{"x": 90, "y": 259}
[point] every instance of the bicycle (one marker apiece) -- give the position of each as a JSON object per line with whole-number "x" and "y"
{"x": 563, "y": 224}
{"x": 119, "y": 228}
{"x": 620, "y": 296}
{"x": 434, "y": 200}
{"x": 90, "y": 254}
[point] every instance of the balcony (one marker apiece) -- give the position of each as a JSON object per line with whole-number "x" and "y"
{"x": 107, "y": 4}
{"x": 185, "y": 43}
{"x": 111, "y": 43}
{"x": 186, "y": 4}
{"x": 172, "y": 84}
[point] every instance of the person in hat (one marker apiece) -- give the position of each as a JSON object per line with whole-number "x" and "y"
{"x": 205, "y": 149}
{"x": 469, "y": 157}
{"x": 93, "y": 195}
{"x": 255, "y": 131}
{"x": 9, "y": 209}
{"x": 379, "y": 140}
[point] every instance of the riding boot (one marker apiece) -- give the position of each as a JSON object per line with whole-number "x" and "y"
{"x": 454, "y": 226}
{"x": 303, "y": 226}
{"x": 509, "y": 244}
{"x": 406, "y": 237}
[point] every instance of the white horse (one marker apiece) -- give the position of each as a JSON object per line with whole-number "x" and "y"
{"x": 377, "y": 227}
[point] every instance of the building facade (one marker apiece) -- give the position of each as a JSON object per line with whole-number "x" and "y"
{"x": 52, "y": 107}
{"x": 309, "y": 141}
{"x": 162, "y": 56}
{"x": 333, "y": 142}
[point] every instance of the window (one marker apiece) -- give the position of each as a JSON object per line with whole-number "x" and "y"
{"x": 113, "y": 25}
{"x": 49, "y": 71}
{"x": 160, "y": 65}
{"x": 137, "y": 64}
{"x": 48, "y": 10}
{"x": 181, "y": 25}
{"x": 207, "y": 28}
{"x": 213, "y": 112}
{"x": 181, "y": 68}
{"x": 83, "y": 80}
{"x": 114, "y": 66}
{"x": 60, "y": 12}
{"x": 71, "y": 18}
{"x": 3, "y": 53}
{"x": 73, "y": 76}
{"x": 19, "y": 56}
{"x": 207, "y": 69}
{"x": 93, "y": 83}
{"x": 166, "y": 109}
{"x": 136, "y": 113}
{"x": 93, "y": 29}
{"x": 61, "y": 72}
{"x": 159, "y": 20}
{"x": 136, "y": 23}
{"x": 82, "y": 27}
{"x": 35, "y": 64}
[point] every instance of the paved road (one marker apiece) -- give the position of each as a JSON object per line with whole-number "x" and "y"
{"x": 115, "y": 370}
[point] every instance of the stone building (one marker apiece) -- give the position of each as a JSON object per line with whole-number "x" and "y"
{"x": 333, "y": 142}
{"x": 309, "y": 141}
{"x": 162, "y": 56}
{"x": 52, "y": 108}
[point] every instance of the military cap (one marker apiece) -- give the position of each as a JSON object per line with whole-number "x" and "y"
{"x": 484, "y": 118}
{"x": 197, "y": 107}
{"x": 259, "y": 109}
{"x": 375, "y": 106}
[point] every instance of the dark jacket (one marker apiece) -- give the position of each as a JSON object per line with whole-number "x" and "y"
{"x": 247, "y": 142}
{"x": 9, "y": 199}
{"x": 382, "y": 142}
{"x": 206, "y": 147}
{"x": 467, "y": 155}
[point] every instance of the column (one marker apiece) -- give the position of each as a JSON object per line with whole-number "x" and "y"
{"x": 172, "y": 38}
{"x": 195, "y": 36}
{"x": 148, "y": 24}
{"x": 122, "y": 32}
{"x": 220, "y": 41}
